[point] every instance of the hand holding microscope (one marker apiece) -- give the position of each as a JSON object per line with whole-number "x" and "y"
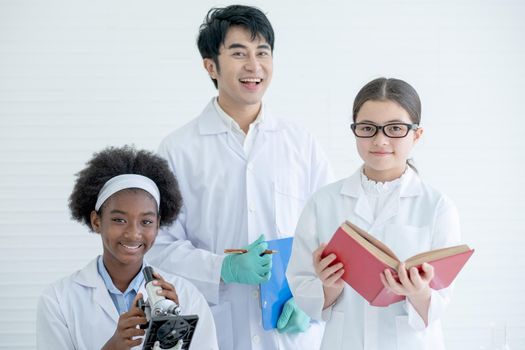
{"x": 166, "y": 328}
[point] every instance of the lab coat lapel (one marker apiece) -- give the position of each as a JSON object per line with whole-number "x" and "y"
{"x": 389, "y": 210}
{"x": 410, "y": 186}
{"x": 90, "y": 278}
{"x": 352, "y": 188}
{"x": 210, "y": 123}
{"x": 258, "y": 144}
{"x": 265, "y": 127}
{"x": 234, "y": 145}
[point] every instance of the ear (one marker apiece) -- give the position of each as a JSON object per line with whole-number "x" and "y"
{"x": 210, "y": 67}
{"x": 418, "y": 133}
{"x": 95, "y": 221}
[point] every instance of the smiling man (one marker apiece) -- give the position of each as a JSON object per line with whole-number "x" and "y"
{"x": 243, "y": 173}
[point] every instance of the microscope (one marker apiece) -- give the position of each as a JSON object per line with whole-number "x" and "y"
{"x": 166, "y": 328}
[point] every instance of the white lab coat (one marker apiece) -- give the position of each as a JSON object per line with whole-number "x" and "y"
{"x": 229, "y": 200}
{"x": 420, "y": 219}
{"x": 78, "y": 313}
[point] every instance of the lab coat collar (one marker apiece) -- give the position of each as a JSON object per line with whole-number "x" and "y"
{"x": 410, "y": 186}
{"x": 210, "y": 122}
{"x": 90, "y": 278}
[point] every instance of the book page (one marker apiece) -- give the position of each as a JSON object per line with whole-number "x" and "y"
{"x": 380, "y": 245}
{"x": 435, "y": 254}
{"x": 373, "y": 245}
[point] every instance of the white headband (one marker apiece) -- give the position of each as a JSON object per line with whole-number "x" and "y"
{"x": 122, "y": 182}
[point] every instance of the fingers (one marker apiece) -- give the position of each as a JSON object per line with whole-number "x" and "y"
{"x": 391, "y": 281}
{"x": 134, "y": 342}
{"x": 168, "y": 290}
{"x": 334, "y": 278}
{"x": 324, "y": 263}
{"x": 132, "y": 332}
{"x": 134, "y": 303}
{"x": 404, "y": 279}
{"x": 428, "y": 272}
{"x": 284, "y": 318}
{"x": 259, "y": 248}
{"x": 329, "y": 271}
{"x": 318, "y": 252}
{"x": 411, "y": 282}
{"x": 255, "y": 243}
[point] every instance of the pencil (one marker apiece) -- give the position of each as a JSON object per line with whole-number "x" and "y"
{"x": 242, "y": 251}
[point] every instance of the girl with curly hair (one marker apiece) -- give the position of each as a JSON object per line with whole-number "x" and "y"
{"x": 124, "y": 195}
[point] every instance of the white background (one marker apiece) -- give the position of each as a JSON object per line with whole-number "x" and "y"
{"x": 78, "y": 76}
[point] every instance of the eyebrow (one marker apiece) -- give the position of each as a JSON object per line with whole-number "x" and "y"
{"x": 388, "y": 122}
{"x": 117, "y": 211}
{"x": 242, "y": 46}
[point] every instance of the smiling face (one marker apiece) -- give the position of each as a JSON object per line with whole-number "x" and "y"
{"x": 128, "y": 225}
{"x": 385, "y": 158}
{"x": 244, "y": 69}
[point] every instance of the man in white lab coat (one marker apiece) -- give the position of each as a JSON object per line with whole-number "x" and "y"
{"x": 242, "y": 172}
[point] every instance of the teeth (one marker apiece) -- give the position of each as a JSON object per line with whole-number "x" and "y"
{"x": 251, "y": 80}
{"x": 131, "y": 246}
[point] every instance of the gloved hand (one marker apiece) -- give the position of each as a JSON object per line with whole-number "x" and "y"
{"x": 292, "y": 319}
{"x": 250, "y": 267}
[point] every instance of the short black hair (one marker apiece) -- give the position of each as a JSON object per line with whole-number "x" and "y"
{"x": 218, "y": 21}
{"x": 114, "y": 161}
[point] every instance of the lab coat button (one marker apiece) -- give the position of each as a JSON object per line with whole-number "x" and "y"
{"x": 255, "y": 293}
{"x": 256, "y": 339}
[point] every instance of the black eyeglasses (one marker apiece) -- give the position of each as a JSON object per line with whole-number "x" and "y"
{"x": 392, "y": 130}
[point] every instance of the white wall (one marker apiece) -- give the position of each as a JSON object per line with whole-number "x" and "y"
{"x": 77, "y": 76}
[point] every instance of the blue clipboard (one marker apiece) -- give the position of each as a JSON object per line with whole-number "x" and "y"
{"x": 276, "y": 292}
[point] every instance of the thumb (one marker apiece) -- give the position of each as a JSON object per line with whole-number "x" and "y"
{"x": 428, "y": 270}
{"x": 255, "y": 243}
{"x": 285, "y": 315}
{"x": 134, "y": 304}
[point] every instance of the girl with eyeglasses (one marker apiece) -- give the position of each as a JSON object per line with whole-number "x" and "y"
{"x": 387, "y": 198}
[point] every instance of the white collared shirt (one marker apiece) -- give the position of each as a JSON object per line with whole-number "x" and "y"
{"x": 245, "y": 139}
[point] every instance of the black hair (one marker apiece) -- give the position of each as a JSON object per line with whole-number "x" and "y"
{"x": 399, "y": 91}
{"x": 114, "y": 161}
{"x": 218, "y": 21}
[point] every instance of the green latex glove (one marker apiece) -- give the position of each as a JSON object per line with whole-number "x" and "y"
{"x": 250, "y": 267}
{"x": 292, "y": 319}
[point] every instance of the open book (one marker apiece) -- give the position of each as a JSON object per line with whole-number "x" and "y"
{"x": 366, "y": 257}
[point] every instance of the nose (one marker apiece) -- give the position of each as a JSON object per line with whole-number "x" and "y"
{"x": 252, "y": 64}
{"x": 133, "y": 230}
{"x": 380, "y": 138}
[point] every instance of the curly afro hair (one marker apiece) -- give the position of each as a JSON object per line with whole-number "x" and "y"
{"x": 114, "y": 161}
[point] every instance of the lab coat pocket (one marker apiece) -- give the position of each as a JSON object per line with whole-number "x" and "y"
{"x": 289, "y": 202}
{"x": 222, "y": 315}
{"x": 406, "y": 241}
{"x": 334, "y": 331}
{"x": 408, "y": 338}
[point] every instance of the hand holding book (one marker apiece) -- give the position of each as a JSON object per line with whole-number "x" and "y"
{"x": 364, "y": 258}
{"x": 411, "y": 282}
{"x": 329, "y": 274}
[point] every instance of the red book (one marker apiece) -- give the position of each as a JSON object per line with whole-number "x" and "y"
{"x": 366, "y": 257}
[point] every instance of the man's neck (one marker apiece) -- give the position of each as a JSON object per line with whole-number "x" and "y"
{"x": 244, "y": 115}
